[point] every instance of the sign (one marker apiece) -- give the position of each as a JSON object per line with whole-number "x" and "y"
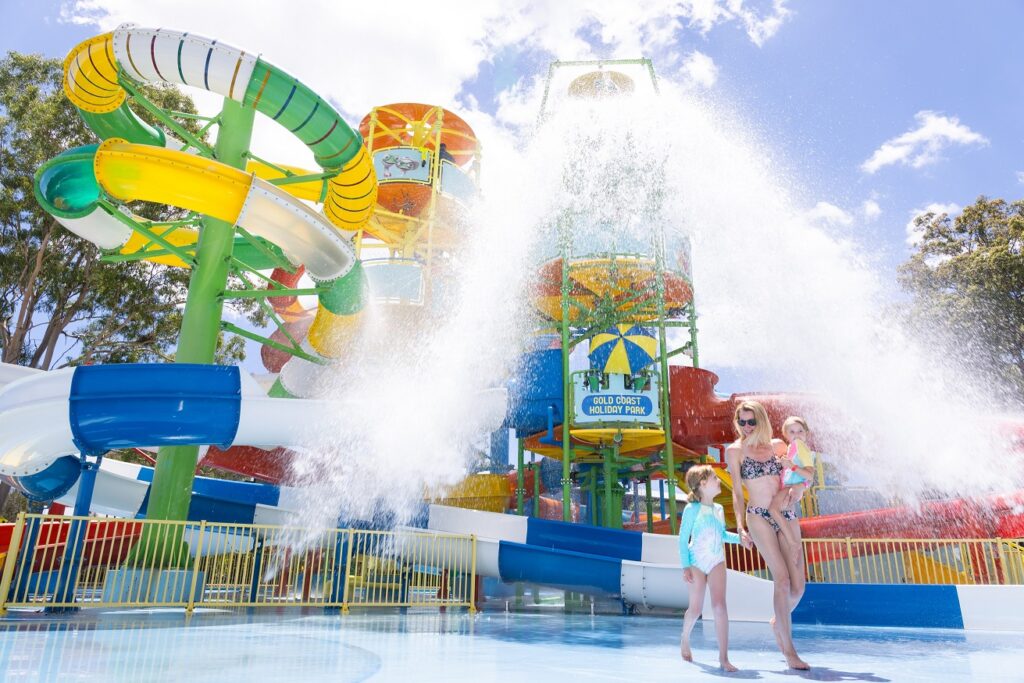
{"x": 617, "y": 405}
{"x": 402, "y": 164}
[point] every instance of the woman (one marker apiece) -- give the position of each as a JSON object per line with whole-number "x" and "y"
{"x": 753, "y": 462}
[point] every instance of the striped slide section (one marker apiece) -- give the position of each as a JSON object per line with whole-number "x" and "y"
{"x": 48, "y": 418}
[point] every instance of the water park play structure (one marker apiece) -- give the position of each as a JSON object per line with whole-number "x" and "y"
{"x": 392, "y": 201}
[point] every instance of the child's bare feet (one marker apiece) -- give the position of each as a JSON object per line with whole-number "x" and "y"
{"x": 726, "y": 665}
{"x": 684, "y": 650}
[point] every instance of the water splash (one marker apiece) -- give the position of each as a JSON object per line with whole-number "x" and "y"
{"x": 417, "y": 380}
{"x": 778, "y": 297}
{"x": 781, "y": 297}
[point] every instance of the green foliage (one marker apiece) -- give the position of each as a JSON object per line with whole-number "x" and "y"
{"x": 967, "y": 279}
{"x": 59, "y": 303}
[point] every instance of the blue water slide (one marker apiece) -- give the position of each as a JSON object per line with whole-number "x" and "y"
{"x": 583, "y": 538}
{"x": 559, "y": 568}
{"x": 128, "y": 406}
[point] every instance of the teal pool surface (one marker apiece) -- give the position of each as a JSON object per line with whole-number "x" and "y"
{"x": 285, "y": 646}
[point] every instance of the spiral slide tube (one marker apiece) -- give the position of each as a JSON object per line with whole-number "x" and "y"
{"x": 137, "y": 161}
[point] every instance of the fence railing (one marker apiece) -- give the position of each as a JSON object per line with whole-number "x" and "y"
{"x": 909, "y": 561}
{"x": 64, "y": 562}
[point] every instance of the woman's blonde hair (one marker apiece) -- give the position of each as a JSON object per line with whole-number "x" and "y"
{"x": 794, "y": 420}
{"x": 762, "y": 434}
{"x": 695, "y": 478}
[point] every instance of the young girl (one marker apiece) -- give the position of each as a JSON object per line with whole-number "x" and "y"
{"x": 795, "y": 479}
{"x": 702, "y": 554}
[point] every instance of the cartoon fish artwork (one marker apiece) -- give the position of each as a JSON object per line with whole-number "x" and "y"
{"x": 403, "y": 164}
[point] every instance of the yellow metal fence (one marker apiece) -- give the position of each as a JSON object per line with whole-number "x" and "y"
{"x": 994, "y": 561}
{"x": 62, "y": 562}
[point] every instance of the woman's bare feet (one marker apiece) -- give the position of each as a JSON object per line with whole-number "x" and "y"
{"x": 684, "y": 650}
{"x": 794, "y": 662}
{"x": 726, "y": 665}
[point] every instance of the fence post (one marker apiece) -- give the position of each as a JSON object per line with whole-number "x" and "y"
{"x": 1004, "y": 571}
{"x": 259, "y": 538}
{"x": 849, "y": 558}
{"x": 11, "y": 561}
{"x": 27, "y": 552}
{"x": 472, "y": 574}
{"x": 348, "y": 571}
{"x": 195, "y": 568}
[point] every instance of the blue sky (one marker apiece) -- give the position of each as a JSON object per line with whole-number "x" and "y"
{"x": 826, "y": 83}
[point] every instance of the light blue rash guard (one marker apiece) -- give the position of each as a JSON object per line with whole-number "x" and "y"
{"x": 702, "y": 536}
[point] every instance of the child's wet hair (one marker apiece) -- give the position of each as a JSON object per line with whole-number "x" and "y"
{"x": 695, "y": 478}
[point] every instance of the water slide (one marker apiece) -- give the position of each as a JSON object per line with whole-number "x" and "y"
{"x": 136, "y": 161}
{"x": 46, "y": 418}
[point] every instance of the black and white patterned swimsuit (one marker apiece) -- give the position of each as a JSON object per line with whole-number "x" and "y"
{"x": 755, "y": 469}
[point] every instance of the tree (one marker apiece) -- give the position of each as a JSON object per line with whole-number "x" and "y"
{"x": 59, "y": 303}
{"x": 967, "y": 278}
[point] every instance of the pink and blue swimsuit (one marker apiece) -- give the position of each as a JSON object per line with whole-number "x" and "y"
{"x": 702, "y": 536}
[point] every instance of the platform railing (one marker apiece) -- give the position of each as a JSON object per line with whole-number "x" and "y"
{"x": 974, "y": 561}
{"x": 61, "y": 562}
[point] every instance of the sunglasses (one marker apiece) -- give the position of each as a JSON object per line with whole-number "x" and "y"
{"x": 743, "y": 423}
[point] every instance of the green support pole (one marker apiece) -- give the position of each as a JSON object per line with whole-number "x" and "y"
{"x": 610, "y": 513}
{"x": 566, "y": 382}
{"x": 692, "y": 317}
{"x": 592, "y": 495}
{"x": 666, "y": 413}
{"x": 520, "y": 484}
{"x": 171, "y": 490}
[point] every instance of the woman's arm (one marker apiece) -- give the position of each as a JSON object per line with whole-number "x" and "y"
{"x": 685, "y": 529}
{"x": 727, "y": 536}
{"x": 739, "y": 506}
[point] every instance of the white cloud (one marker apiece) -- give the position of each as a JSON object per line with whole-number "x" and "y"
{"x": 700, "y": 69}
{"x": 870, "y": 209}
{"x": 760, "y": 27}
{"x": 914, "y": 233}
{"x": 923, "y": 145}
{"x": 704, "y": 14}
{"x": 1020, "y": 177}
{"x": 829, "y": 214}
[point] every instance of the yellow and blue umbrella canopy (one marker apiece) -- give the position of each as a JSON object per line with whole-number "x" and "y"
{"x": 624, "y": 349}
